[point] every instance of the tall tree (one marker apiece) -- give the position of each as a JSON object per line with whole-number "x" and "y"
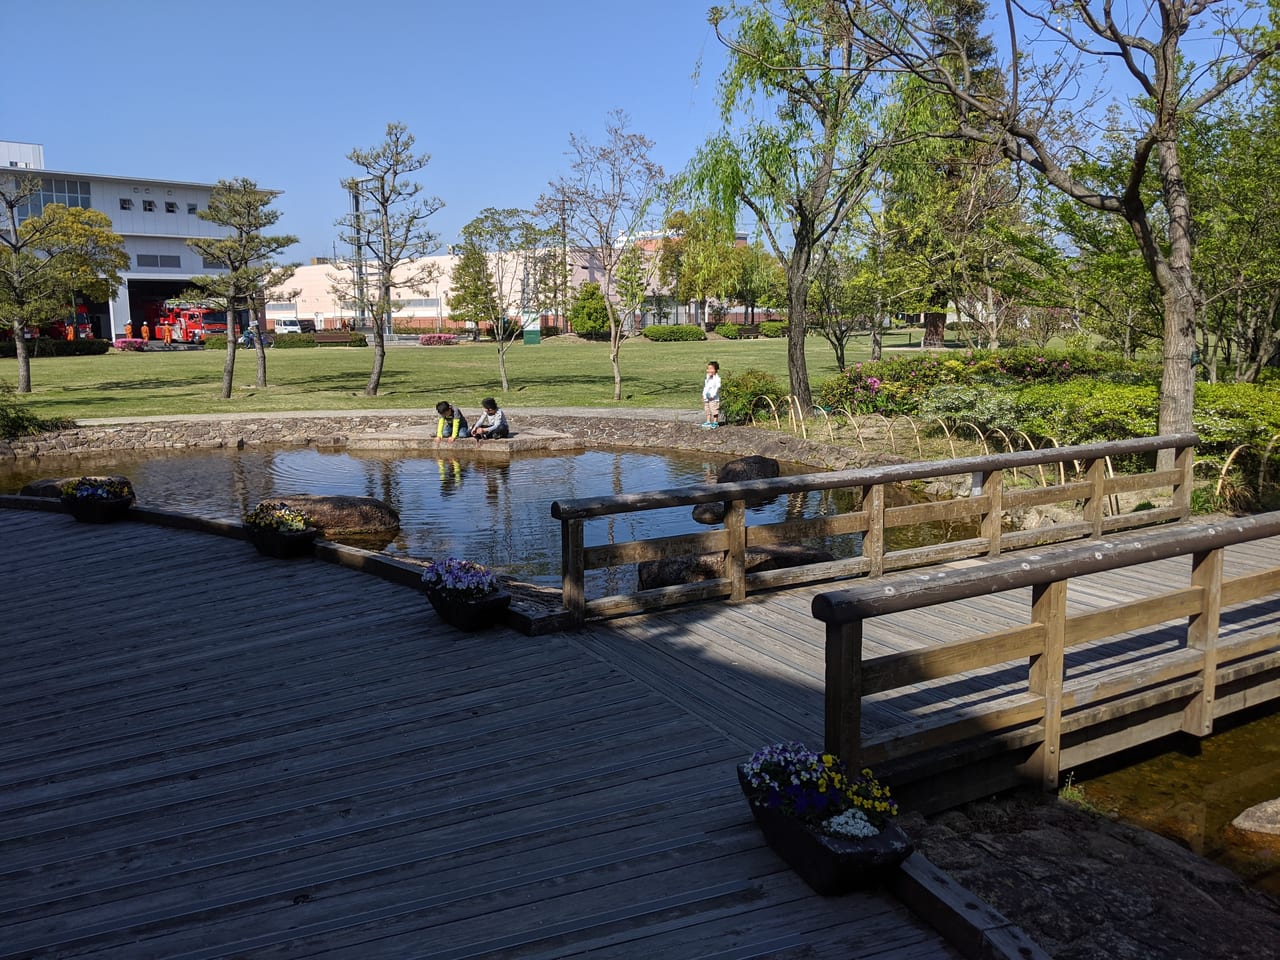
{"x": 387, "y": 227}
{"x": 1090, "y": 45}
{"x": 46, "y": 258}
{"x": 607, "y": 197}
{"x": 807, "y": 156}
{"x": 247, "y": 254}
{"x": 507, "y": 268}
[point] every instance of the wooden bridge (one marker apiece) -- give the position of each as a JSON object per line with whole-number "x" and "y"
{"x": 300, "y": 760}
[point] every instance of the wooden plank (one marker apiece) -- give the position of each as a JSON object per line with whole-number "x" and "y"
{"x": 937, "y": 511}
{"x": 1020, "y": 498}
{"x": 1239, "y": 589}
{"x": 919, "y": 737}
{"x": 1134, "y": 482}
{"x": 911, "y": 666}
{"x": 793, "y": 530}
{"x": 1134, "y": 615}
{"x": 659, "y": 548}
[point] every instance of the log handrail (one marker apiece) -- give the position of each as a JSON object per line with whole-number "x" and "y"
{"x": 1191, "y": 673}
{"x": 985, "y": 505}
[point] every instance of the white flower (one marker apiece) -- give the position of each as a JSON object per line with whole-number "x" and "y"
{"x": 851, "y": 823}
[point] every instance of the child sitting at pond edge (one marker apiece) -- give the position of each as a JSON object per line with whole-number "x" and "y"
{"x": 492, "y": 424}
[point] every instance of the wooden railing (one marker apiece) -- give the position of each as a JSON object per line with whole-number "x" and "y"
{"x": 992, "y": 742}
{"x": 1065, "y": 475}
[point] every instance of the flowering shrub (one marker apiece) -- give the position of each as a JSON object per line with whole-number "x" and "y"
{"x": 437, "y": 339}
{"x": 817, "y": 789}
{"x": 124, "y": 343}
{"x": 460, "y": 579}
{"x": 98, "y": 488}
{"x": 277, "y": 516}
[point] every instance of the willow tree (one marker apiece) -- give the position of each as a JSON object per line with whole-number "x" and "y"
{"x": 800, "y": 144}
{"x": 1080, "y": 53}
{"x": 247, "y": 255}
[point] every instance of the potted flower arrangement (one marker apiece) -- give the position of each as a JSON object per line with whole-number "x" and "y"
{"x": 97, "y": 499}
{"x": 834, "y": 828}
{"x": 464, "y": 593}
{"x": 279, "y": 530}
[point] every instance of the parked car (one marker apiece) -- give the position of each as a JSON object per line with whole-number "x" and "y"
{"x": 288, "y": 326}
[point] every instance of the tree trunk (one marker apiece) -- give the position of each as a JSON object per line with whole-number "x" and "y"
{"x": 798, "y": 306}
{"x": 229, "y": 362}
{"x": 502, "y": 362}
{"x": 877, "y": 338}
{"x": 24, "y": 358}
{"x": 379, "y": 354}
{"x": 261, "y": 346}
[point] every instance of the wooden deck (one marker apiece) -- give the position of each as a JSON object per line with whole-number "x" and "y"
{"x": 209, "y": 754}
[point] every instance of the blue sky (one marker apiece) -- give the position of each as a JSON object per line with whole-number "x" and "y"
{"x": 280, "y": 91}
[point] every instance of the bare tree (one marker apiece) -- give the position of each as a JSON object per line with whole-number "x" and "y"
{"x": 607, "y": 198}
{"x": 387, "y": 227}
{"x": 1064, "y": 55}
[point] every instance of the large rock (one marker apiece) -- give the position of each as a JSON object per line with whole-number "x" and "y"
{"x": 335, "y": 515}
{"x": 710, "y": 566}
{"x": 735, "y": 471}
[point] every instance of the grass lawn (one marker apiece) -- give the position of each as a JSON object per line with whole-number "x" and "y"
{"x": 559, "y": 372}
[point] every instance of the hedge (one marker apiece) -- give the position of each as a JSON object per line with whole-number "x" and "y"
{"x": 773, "y": 329}
{"x": 729, "y": 331}
{"x": 51, "y": 347}
{"x": 669, "y": 332}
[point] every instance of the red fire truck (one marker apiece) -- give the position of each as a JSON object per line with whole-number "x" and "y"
{"x": 190, "y": 320}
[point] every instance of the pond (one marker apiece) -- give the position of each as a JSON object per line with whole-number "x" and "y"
{"x": 494, "y": 512}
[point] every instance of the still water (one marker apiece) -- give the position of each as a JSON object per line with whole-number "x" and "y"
{"x": 496, "y": 513}
{"x": 1192, "y": 795}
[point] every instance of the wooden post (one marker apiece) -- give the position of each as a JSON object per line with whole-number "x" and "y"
{"x": 574, "y": 596}
{"x": 1048, "y": 607}
{"x": 1096, "y": 474}
{"x": 992, "y": 486}
{"x": 843, "y": 731}
{"x": 1202, "y": 635}
{"x": 735, "y": 561}
{"x": 1184, "y": 463}
{"x": 873, "y": 539}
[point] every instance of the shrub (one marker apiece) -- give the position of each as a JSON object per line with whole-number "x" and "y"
{"x": 668, "y": 332}
{"x": 16, "y": 421}
{"x": 589, "y": 314}
{"x": 131, "y": 344}
{"x": 437, "y": 339}
{"x": 57, "y": 347}
{"x": 217, "y": 341}
{"x": 290, "y": 341}
{"x": 729, "y": 331}
{"x": 741, "y": 393}
{"x": 773, "y": 329}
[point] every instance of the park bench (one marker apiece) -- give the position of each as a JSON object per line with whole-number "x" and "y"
{"x": 749, "y": 331}
{"x": 332, "y": 336}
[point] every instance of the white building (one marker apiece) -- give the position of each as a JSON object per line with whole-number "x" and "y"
{"x": 155, "y": 218}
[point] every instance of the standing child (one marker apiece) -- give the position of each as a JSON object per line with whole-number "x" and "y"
{"x": 711, "y": 397}
{"x": 492, "y": 424}
{"x": 452, "y": 424}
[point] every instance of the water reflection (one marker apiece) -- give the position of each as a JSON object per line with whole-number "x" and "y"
{"x": 498, "y": 513}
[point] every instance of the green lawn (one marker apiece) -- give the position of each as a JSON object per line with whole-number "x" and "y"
{"x": 560, "y": 371}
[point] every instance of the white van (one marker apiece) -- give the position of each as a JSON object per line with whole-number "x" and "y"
{"x": 288, "y": 326}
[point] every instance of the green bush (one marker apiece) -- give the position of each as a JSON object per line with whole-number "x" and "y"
{"x": 773, "y": 329}
{"x": 217, "y": 341}
{"x": 357, "y": 339}
{"x": 589, "y": 314}
{"x": 729, "y": 331}
{"x": 15, "y": 421}
{"x": 669, "y": 332}
{"x": 741, "y": 393}
{"x": 51, "y": 347}
{"x": 289, "y": 341}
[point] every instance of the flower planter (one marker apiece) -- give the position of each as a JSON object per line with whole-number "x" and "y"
{"x": 283, "y": 544}
{"x": 471, "y": 615}
{"x": 97, "y": 509}
{"x": 829, "y": 865}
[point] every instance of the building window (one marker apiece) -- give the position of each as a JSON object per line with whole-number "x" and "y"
{"x": 160, "y": 260}
{"x": 192, "y": 208}
{"x": 170, "y": 207}
{"x": 149, "y": 206}
{"x": 71, "y": 193}
{"x": 126, "y": 203}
